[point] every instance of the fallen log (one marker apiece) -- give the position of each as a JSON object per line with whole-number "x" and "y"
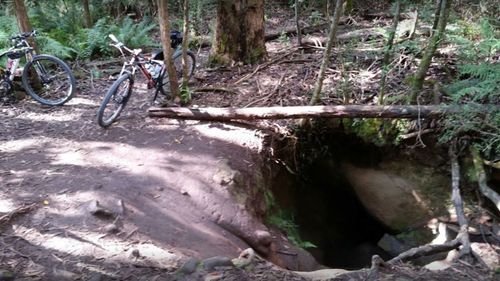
{"x": 296, "y": 112}
{"x": 372, "y": 32}
{"x": 205, "y": 41}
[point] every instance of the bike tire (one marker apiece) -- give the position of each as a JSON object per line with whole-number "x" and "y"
{"x": 54, "y": 83}
{"x": 177, "y": 59}
{"x": 119, "y": 94}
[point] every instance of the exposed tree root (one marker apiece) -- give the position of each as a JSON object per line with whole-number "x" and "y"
{"x": 19, "y": 211}
{"x": 481, "y": 179}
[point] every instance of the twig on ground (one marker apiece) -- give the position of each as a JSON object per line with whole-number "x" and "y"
{"x": 262, "y": 66}
{"x": 295, "y": 61}
{"x": 212, "y": 89}
{"x": 19, "y": 211}
{"x": 275, "y": 90}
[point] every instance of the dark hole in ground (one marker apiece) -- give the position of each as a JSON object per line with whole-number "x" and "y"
{"x": 327, "y": 210}
{"x": 331, "y": 217}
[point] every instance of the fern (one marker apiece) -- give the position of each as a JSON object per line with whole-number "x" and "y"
{"x": 51, "y": 46}
{"x": 8, "y": 27}
{"x": 482, "y": 84}
{"x": 134, "y": 34}
{"x": 478, "y": 83}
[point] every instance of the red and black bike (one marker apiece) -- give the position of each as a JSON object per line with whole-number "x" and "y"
{"x": 153, "y": 69}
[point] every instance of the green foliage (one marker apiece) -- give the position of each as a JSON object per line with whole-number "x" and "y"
{"x": 481, "y": 83}
{"x": 315, "y": 17}
{"x": 51, "y": 46}
{"x": 377, "y": 131}
{"x": 94, "y": 42}
{"x": 8, "y": 27}
{"x": 284, "y": 39}
{"x": 478, "y": 83}
{"x": 285, "y": 222}
{"x": 185, "y": 94}
{"x": 61, "y": 25}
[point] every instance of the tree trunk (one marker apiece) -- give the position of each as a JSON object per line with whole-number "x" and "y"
{"x": 185, "y": 35}
{"x": 388, "y": 51}
{"x": 436, "y": 17}
{"x": 22, "y": 16}
{"x": 297, "y": 23}
{"x": 167, "y": 50}
{"x": 86, "y": 14}
{"x": 23, "y": 20}
{"x": 326, "y": 55}
{"x": 295, "y": 112}
{"x": 418, "y": 79}
{"x": 239, "y": 34}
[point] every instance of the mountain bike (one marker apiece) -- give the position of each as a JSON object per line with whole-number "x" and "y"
{"x": 152, "y": 68}
{"x": 46, "y": 78}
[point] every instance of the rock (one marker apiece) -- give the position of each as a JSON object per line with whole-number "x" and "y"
{"x": 97, "y": 210}
{"x": 392, "y": 245}
{"x": 437, "y": 265}
{"x": 96, "y": 277}
{"x": 150, "y": 255}
{"x": 210, "y": 264}
{"x": 400, "y": 194}
{"x": 263, "y": 237}
{"x": 189, "y": 266}
{"x": 6, "y": 275}
{"x": 135, "y": 254}
{"x": 213, "y": 276}
{"x": 487, "y": 254}
{"x": 225, "y": 174}
{"x": 246, "y": 257}
{"x": 443, "y": 264}
{"x": 322, "y": 274}
{"x": 61, "y": 274}
{"x": 111, "y": 228}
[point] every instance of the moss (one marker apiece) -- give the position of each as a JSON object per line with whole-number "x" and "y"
{"x": 217, "y": 60}
{"x": 255, "y": 55}
{"x": 380, "y": 132}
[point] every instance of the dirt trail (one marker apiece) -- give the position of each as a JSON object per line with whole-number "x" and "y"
{"x": 152, "y": 174}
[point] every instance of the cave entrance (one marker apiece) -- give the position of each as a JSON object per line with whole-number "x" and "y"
{"x": 331, "y": 217}
{"x": 328, "y": 212}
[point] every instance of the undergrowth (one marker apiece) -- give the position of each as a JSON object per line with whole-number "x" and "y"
{"x": 285, "y": 221}
{"x": 477, "y": 84}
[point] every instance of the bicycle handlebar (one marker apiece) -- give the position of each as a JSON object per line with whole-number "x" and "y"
{"x": 120, "y": 46}
{"x": 24, "y": 35}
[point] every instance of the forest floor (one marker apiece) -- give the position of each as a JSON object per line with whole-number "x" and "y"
{"x": 79, "y": 202}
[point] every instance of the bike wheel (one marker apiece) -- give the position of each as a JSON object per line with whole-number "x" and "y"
{"x": 115, "y": 100}
{"x": 49, "y": 80}
{"x": 177, "y": 58}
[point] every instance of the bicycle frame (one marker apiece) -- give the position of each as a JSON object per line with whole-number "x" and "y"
{"x": 138, "y": 61}
{"x": 21, "y": 45}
